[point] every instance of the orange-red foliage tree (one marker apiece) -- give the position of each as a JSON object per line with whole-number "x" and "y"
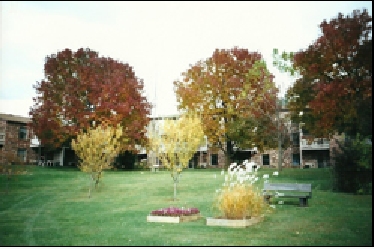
{"x": 229, "y": 87}
{"x": 81, "y": 89}
{"x": 335, "y": 89}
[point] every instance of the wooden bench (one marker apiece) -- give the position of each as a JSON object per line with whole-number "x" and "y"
{"x": 288, "y": 190}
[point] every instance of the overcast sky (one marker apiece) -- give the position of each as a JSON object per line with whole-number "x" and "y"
{"x": 158, "y": 39}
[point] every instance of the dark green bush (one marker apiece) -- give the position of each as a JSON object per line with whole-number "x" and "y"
{"x": 125, "y": 161}
{"x": 353, "y": 169}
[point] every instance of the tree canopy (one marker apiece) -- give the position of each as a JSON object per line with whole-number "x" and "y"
{"x": 229, "y": 86}
{"x": 80, "y": 88}
{"x": 175, "y": 142}
{"x": 334, "y": 91}
{"x": 97, "y": 149}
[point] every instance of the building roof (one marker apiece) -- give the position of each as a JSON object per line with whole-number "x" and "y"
{"x": 165, "y": 117}
{"x": 14, "y": 118}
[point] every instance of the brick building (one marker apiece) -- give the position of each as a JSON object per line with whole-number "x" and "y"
{"x": 17, "y": 144}
{"x": 303, "y": 151}
{"x": 205, "y": 157}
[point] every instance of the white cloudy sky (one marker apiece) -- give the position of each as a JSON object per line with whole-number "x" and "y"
{"x": 159, "y": 39}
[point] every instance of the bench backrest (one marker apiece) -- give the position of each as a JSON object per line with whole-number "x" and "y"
{"x": 287, "y": 187}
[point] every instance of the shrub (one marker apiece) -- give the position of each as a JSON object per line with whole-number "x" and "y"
{"x": 240, "y": 198}
{"x": 11, "y": 158}
{"x": 240, "y": 201}
{"x": 353, "y": 169}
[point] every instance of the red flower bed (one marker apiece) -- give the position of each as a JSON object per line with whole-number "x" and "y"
{"x": 174, "y": 211}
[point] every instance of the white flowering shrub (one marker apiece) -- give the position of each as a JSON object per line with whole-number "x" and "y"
{"x": 239, "y": 198}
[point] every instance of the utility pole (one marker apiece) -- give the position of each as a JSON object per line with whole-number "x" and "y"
{"x": 279, "y": 135}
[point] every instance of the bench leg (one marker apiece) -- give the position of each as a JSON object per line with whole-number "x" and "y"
{"x": 303, "y": 202}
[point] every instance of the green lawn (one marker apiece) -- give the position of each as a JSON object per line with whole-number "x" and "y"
{"x": 50, "y": 207}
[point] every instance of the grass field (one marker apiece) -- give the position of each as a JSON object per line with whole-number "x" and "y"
{"x": 50, "y": 207}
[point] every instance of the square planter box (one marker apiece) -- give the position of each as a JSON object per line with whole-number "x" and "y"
{"x": 233, "y": 223}
{"x": 172, "y": 219}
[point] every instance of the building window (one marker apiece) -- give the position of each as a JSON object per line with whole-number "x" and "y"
{"x": 305, "y": 131}
{"x": 296, "y": 161}
{"x": 214, "y": 159}
{"x": 266, "y": 159}
{"x": 21, "y": 154}
{"x": 295, "y": 139}
{"x": 321, "y": 141}
{"x": 22, "y": 133}
{"x": 157, "y": 161}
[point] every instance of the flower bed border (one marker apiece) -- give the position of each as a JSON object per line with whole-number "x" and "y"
{"x": 221, "y": 222}
{"x": 173, "y": 219}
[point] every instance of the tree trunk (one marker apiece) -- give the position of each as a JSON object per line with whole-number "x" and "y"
{"x": 175, "y": 176}
{"x": 90, "y": 190}
{"x": 175, "y": 191}
{"x": 91, "y": 182}
{"x": 228, "y": 154}
{"x": 280, "y": 156}
{"x": 97, "y": 179}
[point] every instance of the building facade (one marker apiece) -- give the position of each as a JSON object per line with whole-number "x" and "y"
{"x": 205, "y": 157}
{"x": 303, "y": 151}
{"x": 17, "y": 144}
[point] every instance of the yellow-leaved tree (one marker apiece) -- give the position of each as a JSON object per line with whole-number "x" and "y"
{"x": 175, "y": 143}
{"x": 97, "y": 149}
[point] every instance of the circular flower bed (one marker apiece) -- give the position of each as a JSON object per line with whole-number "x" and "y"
{"x": 174, "y": 211}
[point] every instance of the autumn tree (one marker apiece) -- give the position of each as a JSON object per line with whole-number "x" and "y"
{"x": 228, "y": 89}
{"x": 267, "y": 131}
{"x": 246, "y": 131}
{"x": 81, "y": 88}
{"x": 175, "y": 143}
{"x": 97, "y": 149}
{"x": 334, "y": 90}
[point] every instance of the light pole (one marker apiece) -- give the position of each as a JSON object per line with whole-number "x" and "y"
{"x": 279, "y": 137}
{"x": 279, "y": 132}
{"x": 300, "y": 143}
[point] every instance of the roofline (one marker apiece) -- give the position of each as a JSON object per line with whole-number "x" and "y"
{"x": 163, "y": 117}
{"x": 14, "y": 118}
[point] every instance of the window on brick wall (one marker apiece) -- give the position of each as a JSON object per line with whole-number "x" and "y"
{"x": 296, "y": 160}
{"x": 305, "y": 131}
{"x": 214, "y": 159}
{"x": 295, "y": 139}
{"x": 266, "y": 159}
{"x": 21, "y": 154}
{"x": 22, "y": 133}
{"x": 157, "y": 161}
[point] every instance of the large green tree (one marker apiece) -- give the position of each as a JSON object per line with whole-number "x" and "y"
{"x": 230, "y": 86}
{"x": 334, "y": 91}
{"x": 81, "y": 88}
